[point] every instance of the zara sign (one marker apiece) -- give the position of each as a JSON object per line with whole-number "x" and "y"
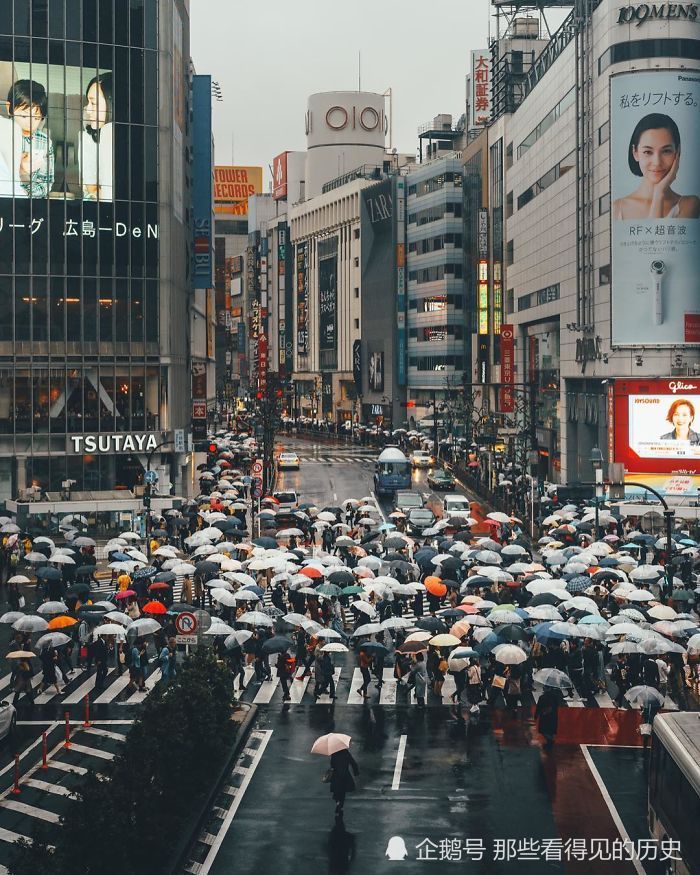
{"x": 113, "y": 443}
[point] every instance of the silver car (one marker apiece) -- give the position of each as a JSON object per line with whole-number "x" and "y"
{"x": 8, "y": 719}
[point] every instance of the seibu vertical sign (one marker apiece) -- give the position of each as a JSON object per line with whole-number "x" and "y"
{"x": 507, "y": 368}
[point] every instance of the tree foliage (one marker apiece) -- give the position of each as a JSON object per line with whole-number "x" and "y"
{"x": 127, "y": 819}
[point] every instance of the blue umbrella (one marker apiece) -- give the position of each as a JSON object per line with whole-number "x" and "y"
{"x": 120, "y": 557}
{"x": 488, "y": 643}
{"x": 578, "y": 583}
{"x": 544, "y": 634}
{"x": 608, "y": 562}
{"x": 140, "y": 573}
{"x": 592, "y": 620}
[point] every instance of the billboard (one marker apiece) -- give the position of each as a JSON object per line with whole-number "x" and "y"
{"x": 279, "y": 176}
{"x": 507, "y": 368}
{"x": 657, "y": 426}
{"x": 328, "y": 294}
{"x": 233, "y": 185}
{"x": 376, "y": 371}
{"x": 480, "y": 103}
{"x": 654, "y": 141}
{"x": 302, "y": 298}
{"x": 203, "y": 159}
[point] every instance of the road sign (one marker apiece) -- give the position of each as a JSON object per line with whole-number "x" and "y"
{"x": 257, "y": 492}
{"x": 257, "y": 482}
{"x": 179, "y": 440}
{"x": 257, "y": 468}
{"x": 186, "y": 639}
{"x": 186, "y": 623}
{"x": 151, "y": 477}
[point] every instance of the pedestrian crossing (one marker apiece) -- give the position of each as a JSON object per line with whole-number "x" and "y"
{"x": 337, "y": 460}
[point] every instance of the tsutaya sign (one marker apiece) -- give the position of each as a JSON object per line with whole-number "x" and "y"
{"x": 113, "y": 443}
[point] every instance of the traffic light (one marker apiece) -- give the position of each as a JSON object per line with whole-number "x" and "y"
{"x": 212, "y": 448}
{"x": 146, "y": 501}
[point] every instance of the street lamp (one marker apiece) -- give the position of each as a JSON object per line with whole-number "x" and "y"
{"x": 596, "y": 460}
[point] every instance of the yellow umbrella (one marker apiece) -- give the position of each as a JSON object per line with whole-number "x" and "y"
{"x": 21, "y": 654}
{"x": 444, "y": 641}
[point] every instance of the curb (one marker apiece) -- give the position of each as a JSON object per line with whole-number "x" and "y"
{"x": 182, "y": 850}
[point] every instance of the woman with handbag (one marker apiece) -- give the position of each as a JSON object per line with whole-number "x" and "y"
{"x": 513, "y": 690}
{"x": 474, "y": 686}
{"x": 341, "y": 779}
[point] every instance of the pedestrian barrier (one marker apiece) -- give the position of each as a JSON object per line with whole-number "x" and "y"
{"x": 15, "y": 789}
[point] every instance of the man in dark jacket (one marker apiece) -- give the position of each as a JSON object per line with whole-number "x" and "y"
{"x": 327, "y": 678}
{"x": 284, "y": 673}
{"x": 342, "y": 781}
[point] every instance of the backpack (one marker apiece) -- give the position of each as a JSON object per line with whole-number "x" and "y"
{"x": 291, "y": 664}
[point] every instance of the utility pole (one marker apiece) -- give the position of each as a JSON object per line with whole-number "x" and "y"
{"x": 149, "y": 482}
{"x": 267, "y": 413}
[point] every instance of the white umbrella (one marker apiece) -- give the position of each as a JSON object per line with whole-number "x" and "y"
{"x": 329, "y": 635}
{"x": 224, "y": 597}
{"x": 367, "y": 629}
{"x": 235, "y": 639}
{"x": 219, "y": 628}
{"x": 364, "y": 607}
{"x": 255, "y": 618}
{"x": 662, "y": 612}
{"x": 509, "y": 654}
{"x": 553, "y": 677}
{"x": 119, "y": 617}
{"x": 11, "y": 617}
{"x": 647, "y": 572}
{"x": 334, "y": 647}
{"x": 397, "y": 623}
{"x": 639, "y": 595}
{"x": 19, "y": 578}
{"x": 52, "y": 639}
{"x": 28, "y": 623}
{"x": 184, "y": 568}
{"x": 144, "y": 626}
{"x": 61, "y": 559}
{"x": 498, "y": 516}
{"x": 331, "y": 743}
{"x": 52, "y": 608}
{"x": 110, "y": 629}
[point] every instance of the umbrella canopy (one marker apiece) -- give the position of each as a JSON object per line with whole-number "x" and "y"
{"x": 509, "y": 654}
{"x": 435, "y": 586}
{"x": 110, "y": 629}
{"x": 52, "y": 608}
{"x": 643, "y": 696}
{"x": 53, "y": 639}
{"x": 444, "y": 640}
{"x": 29, "y": 623}
{"x": 554, "y": 678}
{"x": 20, "y": 654}
{"x": 144, "y": 626}
{"x": 331, "y": 743}
{"x": 277, "y": 644}
{"x": 61, "y": 622}
{"x": 155, "y": 608}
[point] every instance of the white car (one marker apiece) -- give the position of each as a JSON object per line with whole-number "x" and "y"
{"x": 8, "y": 719}
{"x": 421, "y": 459}
{"x": 288, "y": 499}
{"x": 288, "y": 461}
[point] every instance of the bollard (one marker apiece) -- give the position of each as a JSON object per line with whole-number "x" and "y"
{"x": 86, "y": 721}
{"x": 15, "y": 789}
{"x": 67, "y": 741}
{"x": 44, "y": 758}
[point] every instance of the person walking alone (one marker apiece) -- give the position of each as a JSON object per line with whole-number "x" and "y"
{"x": 342, "y": 781}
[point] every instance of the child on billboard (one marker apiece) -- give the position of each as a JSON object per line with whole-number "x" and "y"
{"x": 25, "y": 145}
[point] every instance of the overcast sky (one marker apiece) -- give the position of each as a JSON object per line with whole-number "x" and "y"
{"x": 269, "y": 56}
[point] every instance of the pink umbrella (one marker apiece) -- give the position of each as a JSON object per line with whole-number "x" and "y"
{"x": 331, "y": 743}
{"x": 125, "y": 594}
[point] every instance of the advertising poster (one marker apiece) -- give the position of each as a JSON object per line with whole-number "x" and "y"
{"x": 233, "y": 185}
{"x": 302, "y": 299}
{"x": 657, "y": 426}
{"x": 655, "y": 192}
{"x": 328, "y": 293}
{"x": 376, "y": 371}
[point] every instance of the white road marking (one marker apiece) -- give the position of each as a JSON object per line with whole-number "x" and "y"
{"x": 237, "y": 799}
{"x": 6, "y": 835}
{"x": 114, "y": 689}
{"x": 92, "y": 751}
{"x": 399, "y": 763}
{"x": 79, "y": 694}
{"x": 140, "y": 695}
{"x": 105, "y": 733}
{"x": 47, "y": 787}
{"x": 30, "y": 810}
{"x": 387, "y": 694}
{"x": 611, "y": 805}
{"x": 297, "y": 690}
{"x": 67, "y": 767}
{"x": 325, "y": 699}
{"x": 266, "y": 691}
{"x": 355, "y": 698}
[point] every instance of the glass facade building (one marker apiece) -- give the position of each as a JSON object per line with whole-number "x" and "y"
{"x": 94, "y": 236}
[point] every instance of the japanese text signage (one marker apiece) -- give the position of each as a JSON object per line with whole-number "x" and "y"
{"x": 328, "y": 294}
{"x": 302, "y": 299}
{"x": 654, "y": 141}
{"x": 480, "y": 105}
{"x": 507, "y": 368}
{"x": 482, "y": 297}
{"x": 482, "y": 233}
{"x": 279, "y": 176}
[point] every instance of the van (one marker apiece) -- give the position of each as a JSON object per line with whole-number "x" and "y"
{"x": 288, "y": 499}
{"x": 455, "y": 503}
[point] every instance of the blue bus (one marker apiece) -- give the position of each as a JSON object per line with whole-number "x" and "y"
{"x": 392, "y": 471}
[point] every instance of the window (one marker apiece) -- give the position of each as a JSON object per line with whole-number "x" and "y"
{"x": 435, "y": 183}
{"x": 545, "y": 181}
{"x": 635, "y": 50}
{"x": 509, "y": 156}
{"x": 510, "y": 253}
{"x": 356, "y": 233}
{"x": 357, "y": 292}
{"x": 604, "y": 133}
{"x": 536, "y": 299}
{"x": 509, "y": 204}
{"x": 357, "y": 323}
{"x": 356, "y": 261}
{"x": 510, "y": 300}
{"x": 604, "y": 204}
{"x": 604, "y": 275}
{"x": 547, "y": 122}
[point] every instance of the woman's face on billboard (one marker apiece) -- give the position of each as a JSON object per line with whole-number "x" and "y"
{"x": 655, "y": 153}
{"x": 682, "y": 417}
{"x": 95, "y": 107}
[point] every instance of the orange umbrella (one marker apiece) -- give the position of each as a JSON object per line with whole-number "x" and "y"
{"x": 310, "y": 571}
{"x": 435, "y": 586}
{"x": 154, "y": 608}
{"x": 62, "y": 622}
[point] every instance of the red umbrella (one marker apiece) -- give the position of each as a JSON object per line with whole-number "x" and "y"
{"x": 125, "y": 594}
{"x": 311, "y": 572}
{"x": 154, "y": 608}
{"x": 435, "y": 586}
{"x": 159, "y": 584}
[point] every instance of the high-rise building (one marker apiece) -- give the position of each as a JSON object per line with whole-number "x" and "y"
{"x": 95, "y": 244}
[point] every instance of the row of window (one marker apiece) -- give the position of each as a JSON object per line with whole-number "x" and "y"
{"x": 78, "y": 310}
{"x": 436, "y": 303}
{"x": 551, "y": 176}
{"x": 435, "y": 183}
{"x": 436, "y": 362}
{"x": 547, "y": 122}
{"x": 122, "y": 22}
{"x": 435, "y": 273}
{"x": 436, "y": 333}
{"x": 435, "y": 244}
{"x": 541, "y": 296}
{"x": 452, "y": 209}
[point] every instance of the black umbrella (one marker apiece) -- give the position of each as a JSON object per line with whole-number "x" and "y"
{"x": 266, "y": 543}
{"x": 452, "y": 614}
{"x": 338, "y": 511}
{"x": 431, "y": 624}
{"x": 512, "y": 632}
{"x": 451, "y": 564}
{"x": 228, "y": 524}
{"x": 204, "y": 567}
{"x": 463, "y": 537}
{"x": 451, "y": 584}
{"x": 401, "y": 564}
{"x": 41, "y": 547}
{"x": 142, "y": 573}
{"x": 49, "y": 573}
{"x": 277, "y": 644}
{"x": 180, "y": 607}
{"x": 479, "y": 580}
{"x": 543, "y": 598}
{"x": 85, "y": 571}
{"x": 375, "y": 647}
{"x": 394, "y": 543}
{"x": 341, "y": 578}
{"x": 393, "y": 557}
{"x": 78, "y": 589}
{"x": 165, "y": 577}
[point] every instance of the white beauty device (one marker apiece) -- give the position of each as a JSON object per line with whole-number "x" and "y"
{"x": 658, "y": 268}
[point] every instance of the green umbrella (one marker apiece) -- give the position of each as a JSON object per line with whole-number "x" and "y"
{"x": 682, "y": 595}
{"x": 352, "y": 590}
{"x": 329, "y": 589}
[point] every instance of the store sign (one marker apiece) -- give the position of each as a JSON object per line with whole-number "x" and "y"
{"x": 328, "y": 294}
{"x": 507, "y": 368}
{"x": 302, "y": 299}
{"x": 113, "y": 443}
{"x": 657, "y": 12}
{"x": 483, "y": 297}
{"x": 279, "y": 176}
{"x": 483, "y": 233}
{"x": 357, "y": 365}
{"x": 233, "y": 185}
{"x": 480, "y": 105}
